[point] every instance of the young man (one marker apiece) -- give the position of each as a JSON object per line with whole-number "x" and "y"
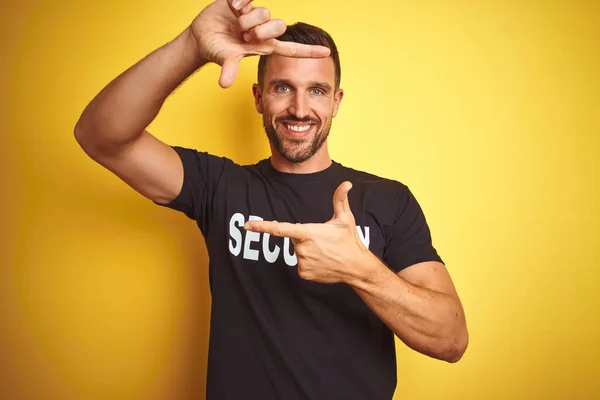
{"x": 314, "y": 266}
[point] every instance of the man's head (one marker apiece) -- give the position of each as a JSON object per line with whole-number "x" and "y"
{"x": 298, "y": 97}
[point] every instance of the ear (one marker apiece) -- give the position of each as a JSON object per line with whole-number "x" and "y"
{"x": 257, "y": 98}
{"x": 337, "y": 99}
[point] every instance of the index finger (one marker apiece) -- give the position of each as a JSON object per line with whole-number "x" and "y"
{"x": 293, "y": 49}
{"x": 281, "y": 229}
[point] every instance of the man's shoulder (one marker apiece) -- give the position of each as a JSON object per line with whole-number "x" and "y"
{"x": 195, "y": 156}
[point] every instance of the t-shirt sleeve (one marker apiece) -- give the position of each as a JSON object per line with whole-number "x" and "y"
{"x": 202, "y": 173}
{"x": 408, "y": 240}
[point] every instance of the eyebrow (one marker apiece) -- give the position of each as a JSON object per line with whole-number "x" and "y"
{"x": 323, "y": 85}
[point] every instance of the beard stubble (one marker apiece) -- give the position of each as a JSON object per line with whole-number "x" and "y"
{"x": 296, "y": 150}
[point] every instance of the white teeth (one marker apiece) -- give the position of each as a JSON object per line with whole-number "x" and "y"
{"x": 298, "y": 128}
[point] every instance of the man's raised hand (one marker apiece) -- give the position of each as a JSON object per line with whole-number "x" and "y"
{"x": 226, "y": 31}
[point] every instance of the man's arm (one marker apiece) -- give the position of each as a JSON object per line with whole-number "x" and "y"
{"x": 112, "y": 128}
{"x": 419, "y": 304}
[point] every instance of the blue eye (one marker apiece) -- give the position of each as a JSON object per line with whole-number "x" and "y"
{"x": 281, "y": 88}
{"x": 318, "y": 92}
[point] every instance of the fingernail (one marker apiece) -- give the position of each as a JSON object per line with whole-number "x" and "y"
{"x": 237, "y": 4}
{"x": 247, "y": 37}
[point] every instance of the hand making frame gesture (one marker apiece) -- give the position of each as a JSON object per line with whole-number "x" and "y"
{"x": 226, "y": 31}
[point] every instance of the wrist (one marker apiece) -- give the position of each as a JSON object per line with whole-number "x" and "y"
{"x": 191, "y": 50}
{"x": 367, "y": 268}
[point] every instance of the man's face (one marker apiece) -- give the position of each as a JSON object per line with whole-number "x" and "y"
{"x": 298, "y": 102}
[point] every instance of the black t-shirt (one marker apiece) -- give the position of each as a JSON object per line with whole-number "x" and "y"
{"x": 274, "y": 335}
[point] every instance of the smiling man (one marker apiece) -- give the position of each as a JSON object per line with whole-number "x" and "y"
{"x": 297, "y": 113}
{"x": 314, "y": 266}
{"x": 298, "y": 99}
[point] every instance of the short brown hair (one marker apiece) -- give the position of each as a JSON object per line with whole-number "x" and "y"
{"x": 303, "y": 33}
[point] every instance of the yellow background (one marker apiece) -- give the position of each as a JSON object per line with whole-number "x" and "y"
{"x": 488, "y": 110}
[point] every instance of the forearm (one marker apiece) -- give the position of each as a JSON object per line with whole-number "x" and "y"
{"x": 128, "y": 104}
{"x": 429, "y": 322}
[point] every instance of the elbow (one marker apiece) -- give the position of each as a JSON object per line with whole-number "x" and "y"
{"x": 455, "y": 347}
{"x": 77, "y": 130}
{"x": 87, "y": 139}
{"x": 79, "y": 134}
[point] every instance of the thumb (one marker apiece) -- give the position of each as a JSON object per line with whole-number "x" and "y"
{"x": 229, "y": 72}
{"x": 341, "y": 206}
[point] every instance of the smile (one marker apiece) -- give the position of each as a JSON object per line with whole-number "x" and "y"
{"x": 297, "y": 130}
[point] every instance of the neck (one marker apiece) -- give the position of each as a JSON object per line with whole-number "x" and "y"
{"x": 318, "y": 162}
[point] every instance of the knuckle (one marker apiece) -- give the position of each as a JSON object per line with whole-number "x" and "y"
{"x": 264, "y": 13}
{"x": 280, "y": 25}
{"x": 259, "y": 32}
{"x": 244, "y": 21}
{"x": 254, "y": 19}
{"x": 269, "y": 30}
{"x": 302, "y": 273}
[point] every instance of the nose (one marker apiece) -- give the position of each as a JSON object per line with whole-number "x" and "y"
{"x": 299, "y": 106}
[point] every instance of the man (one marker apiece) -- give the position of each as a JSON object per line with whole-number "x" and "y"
{"x": 314, "y": 267}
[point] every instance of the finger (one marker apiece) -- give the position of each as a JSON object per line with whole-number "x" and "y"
{"x": 281, "y": 229}
{"x": 341, "y": 205}
{"x": 255, "y": 17}
{"x": 238, "y": 6}
{"x": 268, "y": 30}
{"x": 229, "y": 72}
{"x": 293, "y": 49}
{"x": 246, "y": 9}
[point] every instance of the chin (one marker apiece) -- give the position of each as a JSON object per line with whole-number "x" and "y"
{"x": 295, "y": 148}
{"x": 296, "y": 156}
